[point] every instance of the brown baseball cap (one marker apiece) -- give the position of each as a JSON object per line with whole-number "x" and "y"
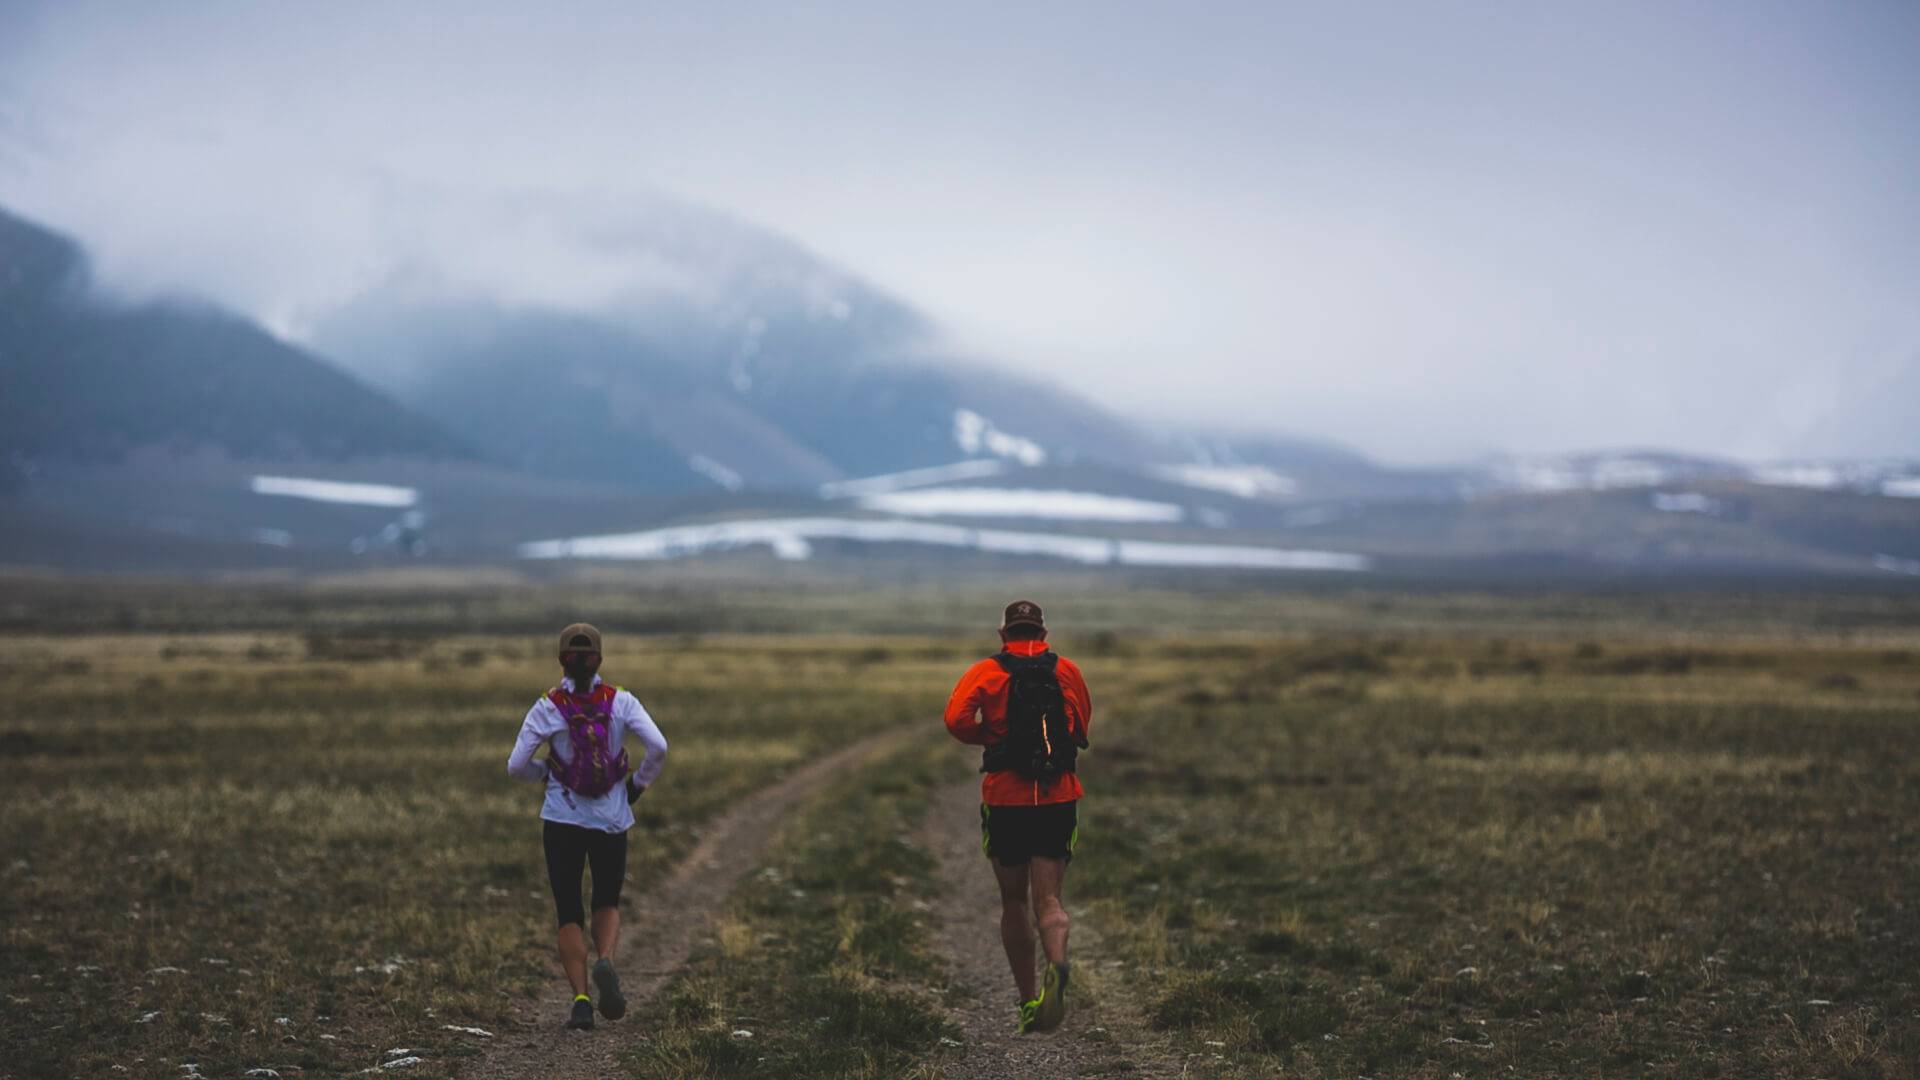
{"x": 580, "y": 636}
{"x": 1023, "y": 613}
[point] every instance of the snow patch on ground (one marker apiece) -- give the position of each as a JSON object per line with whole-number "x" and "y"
{"x": 336, "y": 491}
{"x": 1890, "y": 477}
{"x": 1818, "y": 477}
{"x": 389, "y": 966}
{"x": 1906, "y": 487}
{"x": 1688, "y": 502}
{"x": 1021, "y": 502}
{"x": 791, "y": 538}
{"x": 912, "y": 478}
{"x": 1893, "y": 564}
{"x": 1627, "y": 472}
{"x": 716, "y": 472}
{"x": 1599, "y": 474}
{"x": 975, "y": 434}
{"x": 1246, "y": 481}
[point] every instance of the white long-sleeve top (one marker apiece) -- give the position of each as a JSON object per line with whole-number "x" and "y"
{"x": 608, "y": 812}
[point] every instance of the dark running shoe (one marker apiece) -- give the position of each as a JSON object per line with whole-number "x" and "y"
{"x": 612, "y": 1005}
{"x": 1053, "y": 998}
{"x": 582, "y": 1018}
{"x": 1028, "y": 1010}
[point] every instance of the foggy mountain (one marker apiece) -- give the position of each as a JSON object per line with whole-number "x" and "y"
{"x": 751, "y": 399}
{"x": 84, "y": 378}
{"x": 742, "y": 361}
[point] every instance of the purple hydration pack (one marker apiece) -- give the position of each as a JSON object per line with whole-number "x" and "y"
{"x": 593, "y": 768}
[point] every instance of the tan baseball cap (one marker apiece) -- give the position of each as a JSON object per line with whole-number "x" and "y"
{"x": 1023, "y": 613}
{"x": 580, "y": 636}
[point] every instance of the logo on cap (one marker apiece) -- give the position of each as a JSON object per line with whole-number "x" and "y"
{"x": 1023, "y": 612}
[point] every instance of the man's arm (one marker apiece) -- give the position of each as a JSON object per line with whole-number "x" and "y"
{"x": 963, "y": 707}
{"x": 1073, "y": 686}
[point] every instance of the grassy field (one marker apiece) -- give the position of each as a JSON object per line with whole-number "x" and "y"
{"x": 821, "y": 966}
{"x": 1423, "y": 858}
{"x": 1334, "y": 834}
{"x": 261, "y": 850}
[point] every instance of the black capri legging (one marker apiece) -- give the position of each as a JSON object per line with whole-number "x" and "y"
{"x": 569, "y": 849}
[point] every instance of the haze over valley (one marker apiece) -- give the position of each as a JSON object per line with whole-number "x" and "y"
{"x": 1280, "y": 290}
{"x": 764, "y": 403}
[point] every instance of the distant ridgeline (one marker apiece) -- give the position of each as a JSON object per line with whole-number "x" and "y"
{"x": 84, "y": 378}
{"x": 778, "y": 372}
{"x": 773, "y": 369}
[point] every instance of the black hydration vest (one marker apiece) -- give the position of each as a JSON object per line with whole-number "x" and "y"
{"x": 1039, "y": 743}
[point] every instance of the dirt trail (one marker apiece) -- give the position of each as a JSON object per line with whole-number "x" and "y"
{"x": 669, "y": 918}
{"x": 1103, "y": 1032}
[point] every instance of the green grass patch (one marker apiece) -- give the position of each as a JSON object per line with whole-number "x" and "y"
{"x": 822, "y": 964}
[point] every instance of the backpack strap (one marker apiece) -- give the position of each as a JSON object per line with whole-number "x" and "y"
{"x": 568, "y": 703}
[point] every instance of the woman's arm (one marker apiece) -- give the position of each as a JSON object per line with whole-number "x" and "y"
{"x": 521, "y": 764}
{"x": 634, "y": 715}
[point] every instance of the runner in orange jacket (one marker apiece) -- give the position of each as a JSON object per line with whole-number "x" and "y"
{"x": 1028, "y": 826}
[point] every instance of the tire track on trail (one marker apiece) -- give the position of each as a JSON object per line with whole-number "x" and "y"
{"x": 672, "y": 916}
{"x": 1104, "y": 1030}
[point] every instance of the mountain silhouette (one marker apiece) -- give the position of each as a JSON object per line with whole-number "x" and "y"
{"x": 84, "y": 377}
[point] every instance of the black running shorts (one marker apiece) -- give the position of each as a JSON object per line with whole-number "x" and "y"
{"x": 1011, "y": 835}
{"x": 570, "y": 849}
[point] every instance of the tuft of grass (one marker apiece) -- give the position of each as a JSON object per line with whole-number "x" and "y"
{"x": 820, "y": 966}
{"x": 1266, "y": 1015}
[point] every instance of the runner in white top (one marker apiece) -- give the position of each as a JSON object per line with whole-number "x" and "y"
{"x": 581, "y": 828}
{"x": 610, "y": 812}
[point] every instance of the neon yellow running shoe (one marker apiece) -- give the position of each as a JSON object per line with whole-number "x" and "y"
{"x": 1053, "y": 999}
{"x": 1029, "y": 1011}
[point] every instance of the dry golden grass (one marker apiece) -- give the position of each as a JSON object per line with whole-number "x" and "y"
{"x": 1417, "y": 857}
{"x": 244, "y": 850}
{"x": 1456, "y": 833}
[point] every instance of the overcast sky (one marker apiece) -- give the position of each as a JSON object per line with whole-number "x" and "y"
{"x": 1426, "y": 230}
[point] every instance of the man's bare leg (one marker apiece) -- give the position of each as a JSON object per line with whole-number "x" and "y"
{"x": 573, "y": 956}
{"x": 606, "y": 933}
{"x": 1016, "y": 926}
{"x": 1049, "y": 914}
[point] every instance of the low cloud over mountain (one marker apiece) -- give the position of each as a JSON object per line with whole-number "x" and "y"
{"x": 84, "y": 377}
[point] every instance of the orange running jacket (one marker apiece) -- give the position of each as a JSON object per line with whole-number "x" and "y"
{"x": 983, "y": 691}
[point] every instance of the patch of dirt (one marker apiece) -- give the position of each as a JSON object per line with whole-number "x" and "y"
{"x": 1104, "y": 1033}
{"x": 669, "y": 919}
